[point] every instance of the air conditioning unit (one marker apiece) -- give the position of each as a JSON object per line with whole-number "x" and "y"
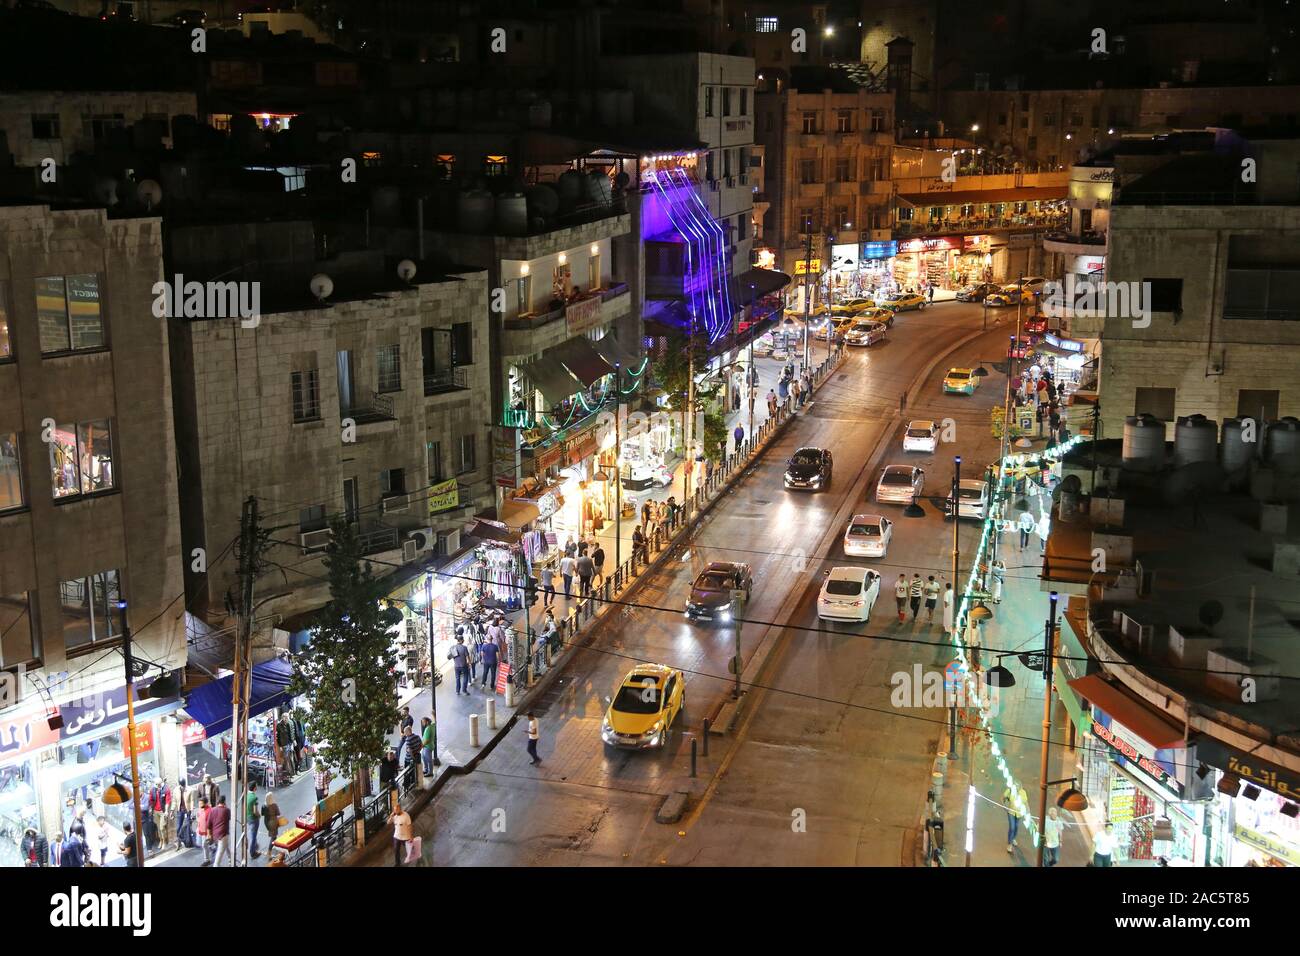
{"x": 448, "y": 543}
{"x": 312, "y": 541}
{"x": 417, "y": 543}
{"x": 395, "y": 504}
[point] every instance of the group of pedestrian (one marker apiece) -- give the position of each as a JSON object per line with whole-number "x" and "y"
{"x": 583, "y": 559}
{"x": 912, "y": 593}
{"x": 1103, "y": 841}
{"x": 1037, "y": 390}
{"x": 485, "y": 648}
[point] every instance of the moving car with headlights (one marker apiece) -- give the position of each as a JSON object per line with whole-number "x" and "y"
{"x": 899, "y": 484}
{"x": 848, "y": 594}
{"x": 868, "y": 536}
{"x": 710, "y": 597}
{"x": 903, "y": 302}
{"x": 1005, "y": 295}
{"x": 1036, "y": 325}
{"x": 921, "y": 435}
{"x": 877, "y": 314}
{"x": 972, "y": 499}
{"x": 976, "y": 292}
{"x": 809, "y": 468}
{"x": 857, "y": 305}
{"x": 960, "y": 381}
{"x": 865, "y": 333}
{"x": 644, "y": 707}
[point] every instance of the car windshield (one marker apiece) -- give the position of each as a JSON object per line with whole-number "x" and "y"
{"x": 897, "y": 478}
{"x": 805, "y": 458}
{"x": 840, "y": 586}
{"x": 637, "y": 700}
{"x": 972, "y": 493}
{"x": 714, "y": 581}
{"x": 864, "y": 327}
{"x": 919, "y": 433}
{"x": 958, "y": 374}
{"x": 871, "y": 530}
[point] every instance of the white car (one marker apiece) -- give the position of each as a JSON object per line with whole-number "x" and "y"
{"x": 865, "y": 333}
{"x": 921, "y": 436}
{"x": 848, "y": 594}
{"x": 972, "y": 499}
{"x": 868, "y": 536}
{"x": 899, "y": 484}
{"x": 1033, "y": 284}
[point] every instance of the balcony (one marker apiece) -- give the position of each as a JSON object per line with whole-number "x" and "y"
{"x": 951, "y": 226}
{"x": 531, "y": 333}
{"x": 812, "y": 139}
{"x": 1087, "y": 243}
{"x": 373, "y": 410}
{"x": 447, "y": 380}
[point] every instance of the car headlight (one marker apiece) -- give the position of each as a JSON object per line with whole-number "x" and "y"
{"x": 606, "y": 726}
{"x": 658, "y": 725}
{"x": 725, "y": 607}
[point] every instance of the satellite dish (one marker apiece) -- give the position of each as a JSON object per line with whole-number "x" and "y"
{"x": 149, "y": 193}
{"x": 406, "y": 270}
{"x": 321, "y": 286}
{"x": 1210, "y": 614}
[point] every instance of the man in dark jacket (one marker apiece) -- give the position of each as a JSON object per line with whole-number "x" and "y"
{"x": 388, "y": 769}
{"x": 35, "y": 848}
{"x": 73, "y": 852}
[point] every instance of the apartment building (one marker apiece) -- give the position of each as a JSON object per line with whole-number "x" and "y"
{"x": 41, "y": 125}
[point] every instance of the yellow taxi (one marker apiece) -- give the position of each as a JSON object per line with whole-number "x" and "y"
{"x": 854, "y": 306}
{"x": 644, "y": 707}
{"x": 903, "y": 302}
{"x": 961, "y": 381}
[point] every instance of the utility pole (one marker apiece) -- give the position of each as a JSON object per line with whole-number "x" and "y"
{"x": 807, "y": 294}
{"x": 1049, "y": 645}
{"x": 618, "y": 473}
{"x": 136, "y": 795}
{"x": 689, "y": 430}
{"x": 248, "y": 560}
{"x": 433, "y": 663}
{"x": 737, "y": 609}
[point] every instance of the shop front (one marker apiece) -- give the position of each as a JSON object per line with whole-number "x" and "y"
{"x": 927, "y": 261}
{"x": 1135, "y": 773}
{"x": 975, "y": 262}
{"x": 206, "y": 732}
{"x": 646, "y": 451}
{"x": 1066, "y": 359}
{"x": 1255, "y": 808}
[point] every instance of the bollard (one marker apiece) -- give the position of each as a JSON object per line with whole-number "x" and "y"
{"x": 707, "y": 724}
{"x": 692, "y": 756}
{"x": 510, "y": 691}
{"x": 473, "y": 730}
{"x": 491, "y": 714}
{"x": 941, "y": 761}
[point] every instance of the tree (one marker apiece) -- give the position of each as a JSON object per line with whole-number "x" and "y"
{"x": 672, "y": 372}
{"x": 715, "y": 434}
{"x": 347, "y": 669}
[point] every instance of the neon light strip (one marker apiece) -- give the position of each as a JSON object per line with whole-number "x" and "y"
{"x": 724, "y": 267}
{"x": 692, "y": 237}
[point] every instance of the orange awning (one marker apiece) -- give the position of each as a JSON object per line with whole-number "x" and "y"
{"x": 1126, "y": 708}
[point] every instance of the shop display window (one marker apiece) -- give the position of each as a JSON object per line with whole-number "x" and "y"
{"x": 11, "y": 475}
{"x": 6, "y": 343}
{"x": 81, "y": 458}
{"x": 89, "y": 607}
{"x": 18, "y": 809}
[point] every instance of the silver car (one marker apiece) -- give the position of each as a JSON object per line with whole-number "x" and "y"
{"x": 899, "y": 484}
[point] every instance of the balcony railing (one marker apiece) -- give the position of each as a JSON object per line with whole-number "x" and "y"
{"x": 377, "y": 408}
{"x": 378, "y": 540}
{"x": 1089, "y": 237}
{"x": 446, "y": 380}
{"x": 974, "y": 225}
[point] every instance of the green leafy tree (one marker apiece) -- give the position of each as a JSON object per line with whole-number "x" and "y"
{"x": 672, "y": 373}
{"x": 715, "y": 434}
{"x": 347, "y": 670}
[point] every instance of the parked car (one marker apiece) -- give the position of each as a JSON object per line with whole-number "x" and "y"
{"x": 921, "y": 435}
{"x": 848, "y": 594}
{"x": 972, "y": 499}
{"x": 1034, "y": 284}
{"x": 857, "y": 305}
{"x": 644, "y": 707}
{"x": 710, "y": 597}
{"x": 903, "y": 302}
{"x": 865, "y": 333}
{"x": 976, "y": 292}
{"x": 868, "y": 536}
{"x": 809, "y": 468}
{"x": 189, "y": 18}
{"x": 883, "y": 316}
{"x": 1035, "y": 325}
{"x": 1019, "y": 349}
{"x": 960, "y": 381}
{"x": 1004, "y": 295}
{"x": 899, "y": 484}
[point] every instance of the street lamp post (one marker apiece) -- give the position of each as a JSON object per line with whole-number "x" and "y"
{"x": 807, "y": 293}
{"x": 1049, "y": 650}
{"x": 136, "y": 796}
{"x": 433, "y": 663}
{"x": 618, "y": 474}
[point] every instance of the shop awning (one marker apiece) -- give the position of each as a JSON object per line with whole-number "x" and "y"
{"x": 551, "y": 379}
{"x": 979, "y": 196}
{"x": 614, "y": 353}
{"x": 756, "y": 283}
{"x": 210, "y": 704}
{"x": 1051, "y": 348}
{"x": 582, "y": 361}
{"x": 491, "y": 532}
{"x": 516, "y": 514}
{"x": 1129, "y": 711}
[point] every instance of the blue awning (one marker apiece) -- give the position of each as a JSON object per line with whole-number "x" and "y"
{"x": 210, "y": 705}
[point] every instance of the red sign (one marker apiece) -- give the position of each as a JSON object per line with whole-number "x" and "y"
{"x": 23, "y": 733}
{"x": 1143, "y": 762}
{"x": 503, "y": 677}
{"x": 583, "y": 314}
{"x": 143, "y": 738}
{"x": 505, "y": 481}
{"x": 192, "y": 732}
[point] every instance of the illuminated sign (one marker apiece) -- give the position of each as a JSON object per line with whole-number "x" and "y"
{"x": 1065, "y": 345}
{"x": 1113, "y": 737}
{"x": 807, "y": 266}
{"x": 937, "y": 244}
{"x": 879, "y": 250}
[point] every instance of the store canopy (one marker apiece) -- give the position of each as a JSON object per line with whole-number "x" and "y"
{"x": 516, "y": 514}
{"x": 979, "y": 196}
{"x": 1129, "y": 711}
{"x": 582, "y": 361}
{"x": 614, "y": 353}
{"x": 210, "y": 704}
{"x": 756, "y": 283}
{"x": 487, "y": 531}
{"x": 551, "y": 379}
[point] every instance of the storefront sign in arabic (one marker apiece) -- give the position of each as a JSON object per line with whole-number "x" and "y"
{"x": 583, "y": 314}
{"x": 24, "y": 733}
{"x": 1251, "y": 768}
{"x": 546, "y": 457}
{"x": 505, "y": 467}
{"x": 581, "y": 448}
{"x": 444, "y": 496}
{"x": 1270, "y": 845}
{"x": 807, "y": 266}
{"x": 1020, "y": 240}
{"x": 106, "y": 709}
{"x": 143, "y": 739}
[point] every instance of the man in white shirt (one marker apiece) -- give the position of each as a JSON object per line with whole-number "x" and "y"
{"x": 1051, "y": 837}
{"x": 1044, "y": 529}
{"x": 1103, "y": 846}
{"x": 566, "y": 572}
{"x": 1026, "y": 528}
{"x": 534, "y": 733}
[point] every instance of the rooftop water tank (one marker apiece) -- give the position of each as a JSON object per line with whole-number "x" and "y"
{"x": 1144, "y": 443}
{"x": 1282, "y": 444}
{"x": 1195, "y": 439}
{"x": 543, "y": 200}
{"x": 570, "y": 188}
{"x": 598, "y": 187}
{"x": 1236, "y": 452}
{"x": 511, "y": 214}
{"x": 474, "y": 209}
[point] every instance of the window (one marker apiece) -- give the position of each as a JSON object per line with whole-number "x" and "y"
{"x": 496, "y": 166}
{"x": 1095, "y": 117}
{"x": 312, "y": 518}
{"x": 81, "y": 459}
{"x": 18, "y": 629}
{"x": 462, "y": 344}
{"x": 1076, "y": 120}
{"x": 1155, "y": 401}
{"x": 726, "y": 164}
{"x": 6, "y": 344}
{"x": 877, "y": 121}
{"x": 768, "y": 124}
{"x": 11, "y": 474}
{"x": 1165, "y": 295}
{"x": 45, "y": 126}
{"x": 742, "y": 227}
{"x": 1024, "y": 121}
{"x": 1262, "y": 293}
{"x": 446, "y": 162}
{"x": 810, "y": 122}
{"x": 767, "y": 25}
{"x": 877, "y": 171}
{"x": 726, "y": 101}
{"x": 807, "y": 170}
{"x": 467, "y": 454}
{"x": 101, "y": 124}
{"x": 593, "y": 272}
{"x": 89, "y": 607}
{"x": 1049, "y": 119}
{"x": 1257, "y": 403}
{"x": 306, "y": 396}
{"x": 708, "y": 166}
{"x": 67, "y": 310}
{"x": 435, "y": 462}
{"x": 842, "y": 220}
{"x": 524, "y": 293}
{"x": 844, "y": 121}
{"x": 744, "y": 101}
{"x": 1002, "y": 119}
{"x": 390, "y": 367}
{"x": 392, "y": 482}
{"x": 708, "y": 101}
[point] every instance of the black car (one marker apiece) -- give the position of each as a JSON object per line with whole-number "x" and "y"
{"x": 977, "y": 292}
{"x": 710, "y": 598}
{"x": 809, "y": 468}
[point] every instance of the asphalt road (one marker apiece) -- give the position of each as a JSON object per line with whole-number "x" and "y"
{"x": 821, "y": 768}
